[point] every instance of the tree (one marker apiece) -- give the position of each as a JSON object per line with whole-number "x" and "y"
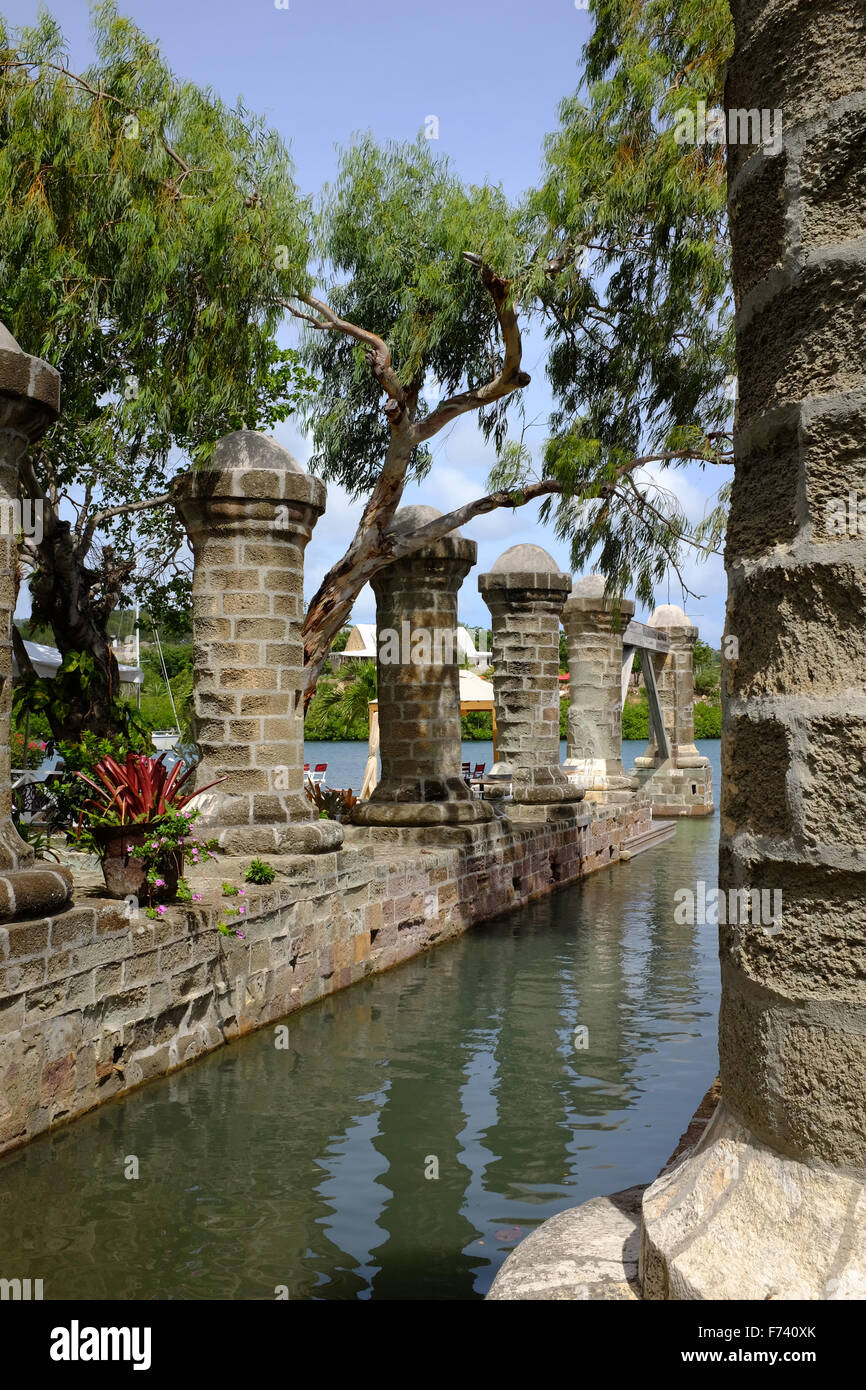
{"x": 192, "y": 241}
{"x": 637, "y": 303}
{"x": 140, "y": 221}
{"x": 426, "y": 281}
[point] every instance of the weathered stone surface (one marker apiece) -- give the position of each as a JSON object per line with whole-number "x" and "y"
{"x": 594, "y": 625}
{"x": 588, "y": 1252}
{"x": 253, "y": 499}
{"x": 525, "y": 593}
{"x": 419, "y": 685}
{"x": 681, "y": 785}
{"x": 772, "y": 1202}
{"x": 737, "y": 1219}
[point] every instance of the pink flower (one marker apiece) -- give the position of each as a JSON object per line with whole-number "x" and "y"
{"x": 196, "y": 897}
{"x": 241, "y": 935}
{"x": 162, "y": 909}
{"x": 242, "y": 892}
{"x": 242, "y": 909}
{"x": 129, "y": 849}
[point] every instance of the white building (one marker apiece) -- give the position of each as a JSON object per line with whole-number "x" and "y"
{"x": 361, "y": 646}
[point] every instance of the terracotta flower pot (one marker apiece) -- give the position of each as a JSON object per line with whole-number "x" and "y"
{"x": 125, "y": 875}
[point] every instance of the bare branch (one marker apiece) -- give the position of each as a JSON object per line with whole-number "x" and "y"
{"x": 376, "y": 350}
{"x": 509, "y": 379}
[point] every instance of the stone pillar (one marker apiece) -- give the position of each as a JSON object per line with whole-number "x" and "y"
{"x": 419, "y": 685}
{"x": 249, "y": 515}
{"x": 29, "y": 404}
{"x": 681, "y": 784}
{"x": 773, "y": 1199}
{"x": 525, "y": 593}
{"x": 595, "y": 655}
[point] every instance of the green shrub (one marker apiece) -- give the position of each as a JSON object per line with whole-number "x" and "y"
{"x": 635, "y": 720}
{"x": 708, "y": 721}
{"x": 260, "y": 872}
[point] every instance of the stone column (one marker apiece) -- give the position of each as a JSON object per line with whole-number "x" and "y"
{"x": 525, "y": 593}
{"x": 682, "y": 784}
{"x": 29, "y": 404}
{"x": 595, "y": 654}
{"x": 249, "y": 515}
{"x": 773, "y": 1199}
{"x": 419, "y": 685}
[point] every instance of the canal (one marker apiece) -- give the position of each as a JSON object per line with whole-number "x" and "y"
{"x": 415, "y": 1127}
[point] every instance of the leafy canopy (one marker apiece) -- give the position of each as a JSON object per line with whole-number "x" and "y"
{"x": 140, "y": 223}
{"x": 634, "y": 276}
{"x": 391, "y": 233}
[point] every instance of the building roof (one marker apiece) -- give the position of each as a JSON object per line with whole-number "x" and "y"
{"x": 362, "y": 643}
{"x": 46, "y": 661}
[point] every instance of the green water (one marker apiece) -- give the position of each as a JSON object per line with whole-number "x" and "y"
{"x": 305, "y": 1167}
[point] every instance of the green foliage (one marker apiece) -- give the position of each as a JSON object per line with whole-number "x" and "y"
{"x": 230, "y": 890}
{"x": 142, "y": 221}
{"x": 476, "y": 726}
{"x": 170, "y": 841}
{"x": 635, "y": 720}
{"x": 392, "y": 231}
{"x": 635, "y": 282}
{"x": 44, "y": 697}
{"x": 37, "y": 836}
{"x": 260, "y": 872}
{"x": 156, "y": 706}
{"x": 68, "y": 791}
{"x": 340, "y": 708}
{"x": 708, "y": 669}
{"x": 708, "y": 720}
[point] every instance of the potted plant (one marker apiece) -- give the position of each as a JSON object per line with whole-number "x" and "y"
{"x": 138, "y": 825}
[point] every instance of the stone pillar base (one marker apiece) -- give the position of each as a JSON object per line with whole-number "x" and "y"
{"x": 675, "y": 790}
{"x": 563, "y": 812}
{"x": 300, "y": 837}
{"x": 587, "y": 1252}
{"x": 544, "y": 787}
{"x": 421, "y": 814}
{"x": 735, "y": 1219}
{"x": 42, "y": 888}
{"x": 612, "y": 787}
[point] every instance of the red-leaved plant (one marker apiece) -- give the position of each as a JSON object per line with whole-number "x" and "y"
{"x": 138, "y": 791}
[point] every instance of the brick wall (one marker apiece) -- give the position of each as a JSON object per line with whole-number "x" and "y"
{"x": 93, "y": 1003}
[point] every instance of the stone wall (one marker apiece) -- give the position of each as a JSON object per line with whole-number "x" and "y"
{"x": 93, "y": 1003}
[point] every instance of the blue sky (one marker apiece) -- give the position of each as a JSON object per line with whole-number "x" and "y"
{"x": 492, "y": 72}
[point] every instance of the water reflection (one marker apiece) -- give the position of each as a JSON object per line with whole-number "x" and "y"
{"x": 306, "y": 1167}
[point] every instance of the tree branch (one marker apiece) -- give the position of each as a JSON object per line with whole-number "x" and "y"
{"x": 122, "y": 510}
{"x": 376, "y": 349}
{"x": 509, "y": 379}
